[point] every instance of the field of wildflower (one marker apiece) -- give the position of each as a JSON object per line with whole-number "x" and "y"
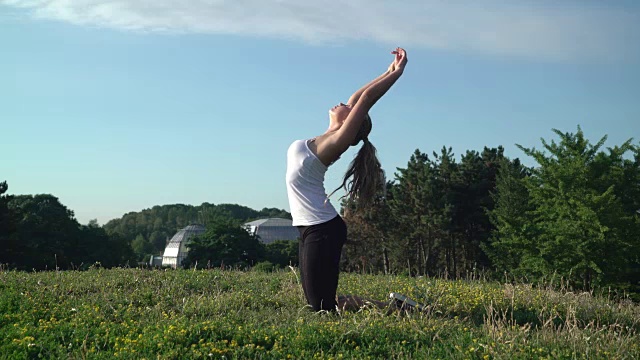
{"x": 202, "y": 314}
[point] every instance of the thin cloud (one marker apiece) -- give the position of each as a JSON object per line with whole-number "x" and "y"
{"x": 538, "y": 30}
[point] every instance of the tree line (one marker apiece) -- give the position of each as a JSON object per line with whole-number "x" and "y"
{"x": 575, "y": 215}
{"x": 149, "y": 230}
{"x": 38, "y": 232}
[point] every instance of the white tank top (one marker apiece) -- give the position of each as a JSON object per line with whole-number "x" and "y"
{"x": 305, "y": 186}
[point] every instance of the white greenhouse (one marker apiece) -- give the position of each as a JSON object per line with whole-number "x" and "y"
{"x": 270, "y": 230}
{"x": 176, "y": 249}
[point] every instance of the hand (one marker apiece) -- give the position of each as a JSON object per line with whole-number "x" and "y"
{"x": 400, "y": 60}
{"x": 393, "y": 65}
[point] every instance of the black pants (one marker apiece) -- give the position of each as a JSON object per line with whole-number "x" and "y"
{"x": 319, "y": 256}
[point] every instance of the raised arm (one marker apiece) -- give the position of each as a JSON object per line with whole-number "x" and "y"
{"x": 356, "y": 95}
{"x": 348, "y": 131}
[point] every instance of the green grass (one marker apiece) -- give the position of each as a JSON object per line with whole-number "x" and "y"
{"x": 136, "y": 314}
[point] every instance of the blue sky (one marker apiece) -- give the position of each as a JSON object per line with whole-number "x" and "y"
{"x": 117, "y": 106}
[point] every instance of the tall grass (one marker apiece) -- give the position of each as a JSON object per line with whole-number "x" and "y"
{"x": 181, "y": 314}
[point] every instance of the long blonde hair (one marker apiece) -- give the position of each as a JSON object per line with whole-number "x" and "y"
{"x": 364, "y": 177}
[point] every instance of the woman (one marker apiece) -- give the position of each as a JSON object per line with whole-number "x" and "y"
{"x": 322, "y": 230}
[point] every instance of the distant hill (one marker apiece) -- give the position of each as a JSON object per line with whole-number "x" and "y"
{"x": 160, "y": 223}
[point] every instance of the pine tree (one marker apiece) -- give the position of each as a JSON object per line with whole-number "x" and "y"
{"x": 511, "y": 240}
{"x": 581, "y": 229}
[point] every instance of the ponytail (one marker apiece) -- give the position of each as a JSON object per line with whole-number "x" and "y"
{"x": 364, "y": 177}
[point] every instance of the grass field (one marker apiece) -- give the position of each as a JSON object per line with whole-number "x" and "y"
{"x": 137, "y": 313}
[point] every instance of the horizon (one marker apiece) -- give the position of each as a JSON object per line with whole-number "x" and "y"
{"x": 116, "y": 107}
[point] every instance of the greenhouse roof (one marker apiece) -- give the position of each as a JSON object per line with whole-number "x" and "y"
{"x": 271, "y": 222}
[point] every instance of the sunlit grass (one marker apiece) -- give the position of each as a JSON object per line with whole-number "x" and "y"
{"x": 136, "y": 314}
